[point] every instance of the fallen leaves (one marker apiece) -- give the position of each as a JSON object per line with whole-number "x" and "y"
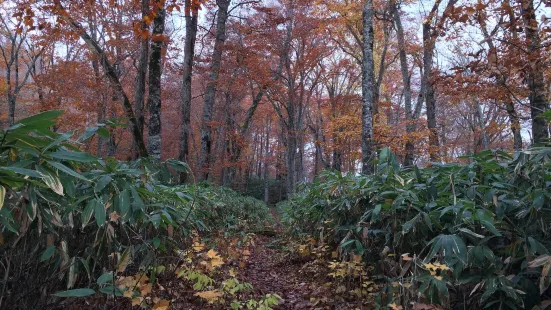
{"x": 210, "y": 296}
{"x": 162, "y": 304}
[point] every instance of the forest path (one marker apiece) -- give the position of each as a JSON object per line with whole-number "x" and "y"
{"x": 300, "y": 282}
{"x": 270, "y": 272}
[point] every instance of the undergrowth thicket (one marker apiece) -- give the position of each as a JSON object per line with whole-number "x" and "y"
{"x": 460, "y": 236}
{"x": 75, "y": 225}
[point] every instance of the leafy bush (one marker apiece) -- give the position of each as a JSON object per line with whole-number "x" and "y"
{"x": 67, "y": 217}
{"x": 223, "y": 208}
{"x": 256, "y": 187}
{"x": 464, "y": 236}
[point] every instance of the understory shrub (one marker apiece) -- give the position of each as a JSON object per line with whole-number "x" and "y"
{"x": 69, "y": 220}
{"x": 463, "y": 236}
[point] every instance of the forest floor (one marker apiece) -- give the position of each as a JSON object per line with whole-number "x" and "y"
{"x": 301, "y": 282}
{"x": 272, "y": 266}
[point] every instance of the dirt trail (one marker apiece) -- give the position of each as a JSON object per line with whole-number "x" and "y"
{"x": 270, "y": 273}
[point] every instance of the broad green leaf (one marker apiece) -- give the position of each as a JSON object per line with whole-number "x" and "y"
{"x": 177, "y": 165}
{"x": 73, "y": 156}
{"x": 87, "y": 212}
{"x": 470, "y": 232}
{"x": 60, "y": 139}
{"x": 51, "y": 179}
{"x": 105, "y": 278}
{"x": 23, "y": 171}
{"x": 538, "y": 200}
{"x": 41, "y": 117}
{"x": 6, "y": 219}
{"x": 79, "y": 292}
{"x": 88, "y": 133}
{"x": 123, "y": 202}
{"x": 66, "y": 169}
{"x": 2, "y": 196}
{"x": 99, "y": 213}
{"x": 488, "y": 225}
{"x": 376, "y": 212}
{"x": 452, "y": 246}
{"x": 48, "y": 253}
{"x": 156, "y": 242}
{"x": 102, "y": 182}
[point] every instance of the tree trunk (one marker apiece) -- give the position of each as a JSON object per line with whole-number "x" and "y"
{"x": 210, "y": 92}
{"x": 368, "y": 84}
{"x": 11, "y": 103}
{"x": 189, "y": 52}
{"x": 111, "y": 74}
{"x": 501, "y": 81}
{"x": 404, "y": 68}
{"x": 266, "y": 154}
{"x": 430, "y": 100}
{"x": 139, "y": 88}
{"x": 514, "y": 125}
{"x": 481, "y": 126}
{"x": 155, "y": 73}
{"x": 535, "y": 80}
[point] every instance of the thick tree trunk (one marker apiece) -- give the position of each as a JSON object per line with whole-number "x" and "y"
{"x": 210, "y": 92}
{"x": 11, "y": 108}
{"x": 485, "y": 142}
{"x": 155, "y": 73}
{"x": 404, "y": 68}
{"x": 368, "y": 85}
{"x": 535, "y": 79}
{"x": 189, "y": 52}
{"x": 141, "y": 74}
{"x": 291, "y": 158}
{"x": 514, "y": 125}
{"x": 430, "y": 99}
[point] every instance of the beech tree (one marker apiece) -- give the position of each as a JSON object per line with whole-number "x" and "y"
{"x": 155, "y": 73}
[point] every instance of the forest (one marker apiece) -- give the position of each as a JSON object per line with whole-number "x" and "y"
{"x": 275, "y": 154}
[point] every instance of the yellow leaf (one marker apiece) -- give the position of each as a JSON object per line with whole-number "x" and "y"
{"x": 394, "y": 306}
{"x": 216, "y": 262}
{"x": 161, "y": 305}
{"x": 430, "y": 266}
{"x": 146, "y": 289}
{"x": 198, "y": 246}
{"x": 212, "y": 254}
{"x": 124, "y": 282}
{"x": 128, "y": 294}
{"x": 114, "y": 216}
{"x": 136, "y": 301}
{"x": 209, "y": 295}
{"x": 232, "y": 272}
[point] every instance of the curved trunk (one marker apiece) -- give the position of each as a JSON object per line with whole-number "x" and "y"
{"x": 210, "y": 92}
{"x": 189, "y": 52}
